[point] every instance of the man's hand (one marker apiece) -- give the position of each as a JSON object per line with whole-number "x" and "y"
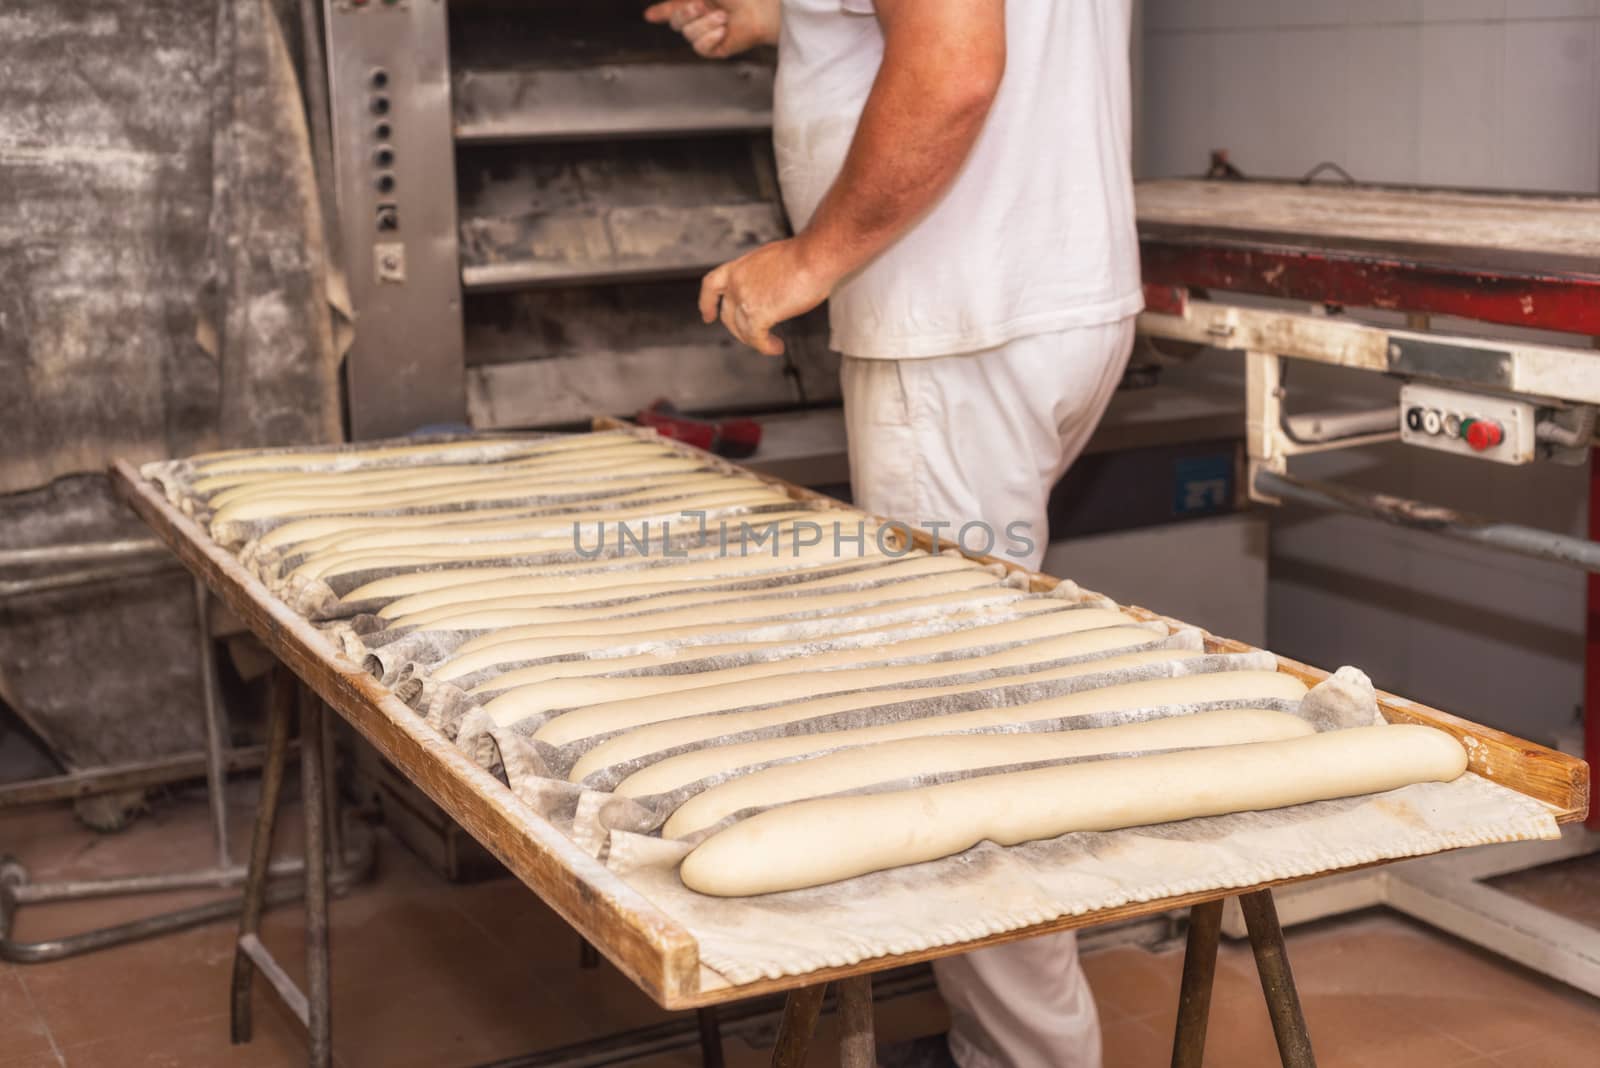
{"x": 718, "y": 29}
{"x": 763, "y": 288}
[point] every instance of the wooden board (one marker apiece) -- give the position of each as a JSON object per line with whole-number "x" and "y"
{"x": 653, "y": 950}
{"x": 1432, "y": 224}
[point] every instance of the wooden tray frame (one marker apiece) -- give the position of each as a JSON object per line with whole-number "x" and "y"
{"x": 653, "y": 950}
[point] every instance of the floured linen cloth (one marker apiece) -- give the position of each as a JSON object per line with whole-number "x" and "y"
{"x": 886, "y": 657}
{"x": 990, "y": 889}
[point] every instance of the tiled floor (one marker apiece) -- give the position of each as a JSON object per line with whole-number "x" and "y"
{"x": 428, "y": 974}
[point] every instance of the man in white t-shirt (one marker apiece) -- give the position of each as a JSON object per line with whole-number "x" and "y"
{"x": 958, "y": 176}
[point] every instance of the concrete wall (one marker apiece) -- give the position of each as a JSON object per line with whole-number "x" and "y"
{"x": 1495, "y": 93}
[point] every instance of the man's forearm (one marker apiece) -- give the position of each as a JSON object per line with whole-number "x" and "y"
{"x": 942, "y": 66}
{"x": 943, "y": 61}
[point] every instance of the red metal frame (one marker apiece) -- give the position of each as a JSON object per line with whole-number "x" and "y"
{"x": 1167, "y": 299}
{"x": 1554, "y": 301}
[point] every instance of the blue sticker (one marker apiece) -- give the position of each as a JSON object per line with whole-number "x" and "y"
{"x": 1202, "y": 484}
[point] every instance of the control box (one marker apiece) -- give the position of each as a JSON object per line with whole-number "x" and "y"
{"x": 394, "y": 166}
{"x": 1470, "y": 424}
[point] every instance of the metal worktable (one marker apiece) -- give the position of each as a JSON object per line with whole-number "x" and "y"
{"x": 1440, "y": 262}
{"x": 653, "y": 950}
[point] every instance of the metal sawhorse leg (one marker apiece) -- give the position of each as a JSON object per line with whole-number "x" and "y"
{"x": 319, "y": 802}
{"x": 16, "y": 890}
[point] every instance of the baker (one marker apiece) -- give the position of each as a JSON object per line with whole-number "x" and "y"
{"x": 957, "y": 173}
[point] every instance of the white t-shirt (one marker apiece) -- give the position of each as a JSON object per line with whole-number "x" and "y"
{"x": 1037, "y": 232}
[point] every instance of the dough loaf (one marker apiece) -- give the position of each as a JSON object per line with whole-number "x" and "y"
{"x": 602, "y": 717}
{"x": 337, "y": 457}
{"x": 487, "y": 653}
{"x": 868, "y": 626}
{"x": 708, "y": 560}
{"x": 693, "y": 730}
{"x": 730, "y": 708}
{"x": 318, "y": 532}
{"x": 810, "y": 843}
{"x": 959, "y": 606}
{"x": 222, "y": 489}
{"x": 547, "y": 523}
{"x": 1252, "y": 687}
{"x": 422, "y": 556}
{"x": 855, "y": 769}
{"x": 692, "y": 607}
{"x": 634, "y": 584}
{"x": 244, "y": 466}
{"x": 290, "y": 502}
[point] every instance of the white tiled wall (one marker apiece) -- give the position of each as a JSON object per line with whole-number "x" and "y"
{"x": 1495, "y": 93}
{"x": 1501, "y": 93}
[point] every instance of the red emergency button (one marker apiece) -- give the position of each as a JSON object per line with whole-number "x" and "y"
{"x": 1484, "y": 434}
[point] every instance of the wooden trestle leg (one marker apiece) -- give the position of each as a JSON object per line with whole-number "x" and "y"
{"x": 858, "y": 1048}
{"x": 799, "y": 1022}
{"x": 1277, "y": 981}
{"x": 1199, "y": 974}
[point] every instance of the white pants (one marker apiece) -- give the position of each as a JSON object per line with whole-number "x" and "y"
{"x": 982, "y": 437}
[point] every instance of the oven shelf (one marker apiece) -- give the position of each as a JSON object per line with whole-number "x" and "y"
{"x": 617, "y": 100}
{"x": 594, "y": 212}
{"x": 625, "y": 243}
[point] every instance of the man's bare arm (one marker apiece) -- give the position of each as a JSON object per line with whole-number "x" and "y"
{"x": 942, "y": 66}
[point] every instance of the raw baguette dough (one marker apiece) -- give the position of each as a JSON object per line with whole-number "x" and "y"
{"x": 259, "y": 468}
{"x": 307, "y": 535}
{"x": 423, "y": 555}
{"x": 827, "y": 839}
{"x": 618, "y": 584}
{"x": 855, "y": 769}
{"x": 711, "y": 712}
{"x": 708, "y": 561}
{"x": 602, "y": 716}
{"x": 693, "y": 607}
{"x": 223, "y": 489}
{"x": 290, "y": 502}
{"x": 991, "y": 605}
{"x": 664, "y": 643}
{"x": 335, "y": 457}
{"x": 869, "y": 636}
{"x": 317, "y": 532}
{"x": 864, "y": 626}
{"x": 709, "y": 728}
{"x": 1253, "y": 687}
{"x": 714, "y": 503}
{"x": 487, "y": 651}
{"x": 918, "y": 613}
